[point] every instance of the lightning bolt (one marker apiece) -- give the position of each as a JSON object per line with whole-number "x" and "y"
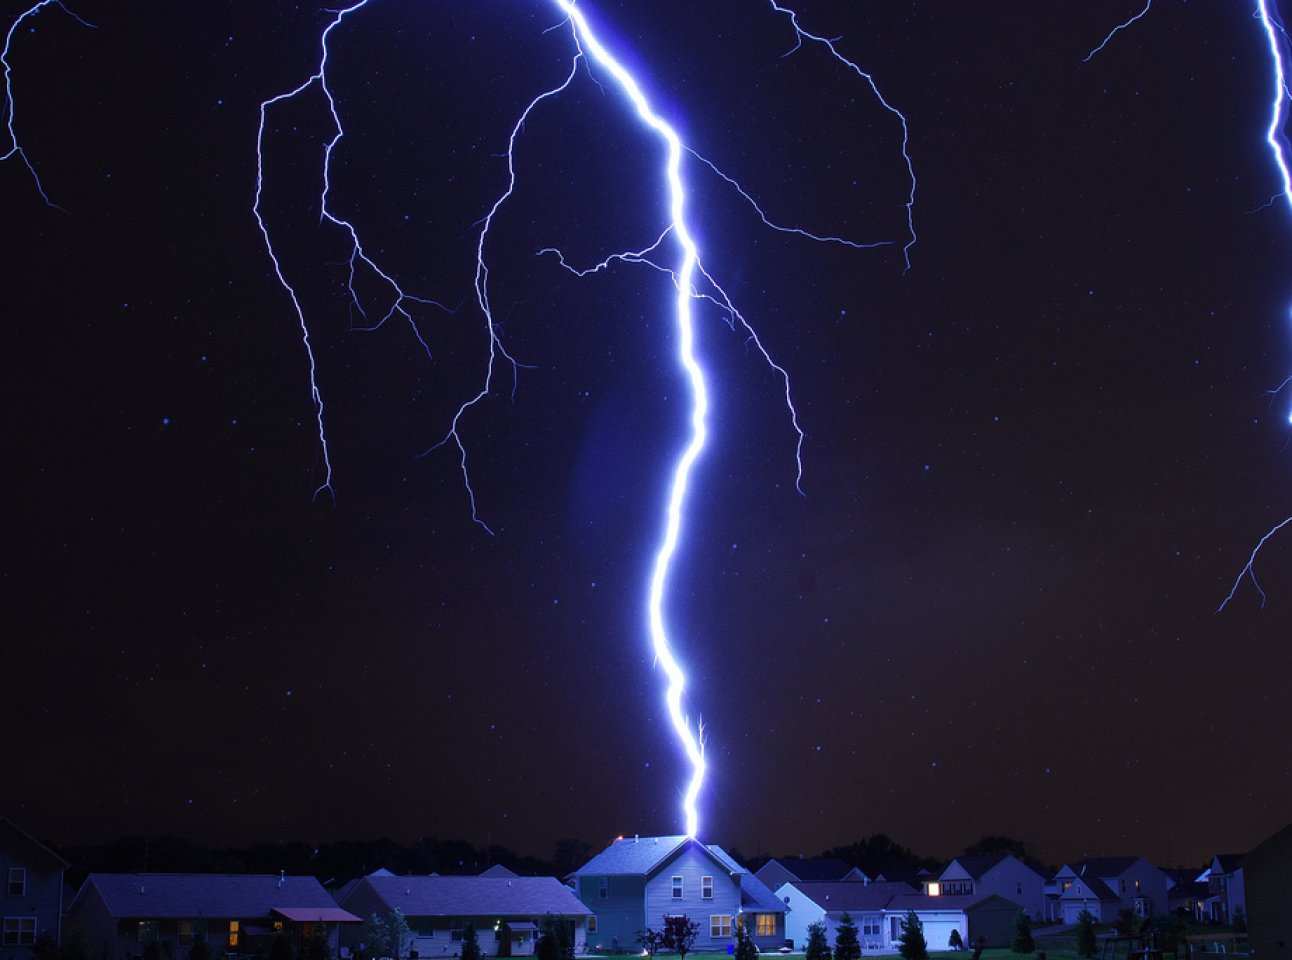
{"x": 15, "y": 148}
{"x": 1277, "y": 39}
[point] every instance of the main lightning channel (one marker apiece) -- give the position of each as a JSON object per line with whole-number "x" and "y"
{"x": 692, "y": 740}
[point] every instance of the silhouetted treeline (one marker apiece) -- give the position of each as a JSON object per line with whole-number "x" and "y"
{"x": 332, "y": 863}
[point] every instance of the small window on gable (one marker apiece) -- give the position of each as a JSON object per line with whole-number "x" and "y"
{"x": 706, "y": 888}
{"x": 17, "y": 882}
{"x": 677, "y": 888}
{"x": 603, "y": 887}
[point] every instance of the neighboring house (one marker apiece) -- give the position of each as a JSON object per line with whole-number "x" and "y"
{"x": 33, "y": 892}
{"x": 878, "y": 910}
{"x": 784, "y": 870}
{"x": 1002, "y": 874}
{"x": 808, "y": 903}
{"x": 635, "y": 883}
{"x": 1186, "y": 893}
{"x": 498, "y": 870}
{"x": 505, "y": 911}
{"x": 1225, "y": 883}
{"x": 236, "y": 913}
{"x": 1108, "y": 885}
{"x": 1267, "y": 873}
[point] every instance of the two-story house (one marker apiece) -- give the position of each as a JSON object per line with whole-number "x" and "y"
{"x": 1225, "y": 887}
{"x": 506, "y": 911}
{"x": 1108, "y": 885}
{"x": 826, "y": 903}
{"x": 1002, "y": 874}
{"x": 33, "y": 891}
{"x": 119, "y": 913}
{"x": 636, "y": 882}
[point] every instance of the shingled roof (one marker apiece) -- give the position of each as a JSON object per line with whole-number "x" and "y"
{"x": 815, "y": 869}
{"x": 477, "y": 896}
{"x": 642, "y": 856}
{"x": 843, "y": 895}
{"x": 977, "y": 866}
{"x": 216, "y": 895}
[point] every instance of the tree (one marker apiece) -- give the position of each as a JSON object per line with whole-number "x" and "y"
{"x": 317, "y": 946}
{"x": 1240, "y": 919}
{"x": 1023, "y": 942}
{"x": 1125, "y": 922}
{"x": 745, "y": 949}
{"x": 955, "y": 941}
{"x": 817, "y": 948}
{"x": 847, "y": 945}
{"x": 650, "y": 941}
{"x": 911, "y": 943}
{"x": 554, "y": 940}
{"x": 399, "y": 932}
{"x": 376, "y": 937}
{"x": 470, "y": 944}
{"x": 679, "y": 934}
{"x": 1085, "y": 934}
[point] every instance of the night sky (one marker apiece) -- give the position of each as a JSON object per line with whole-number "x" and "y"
{"x": 1035, "y": 462}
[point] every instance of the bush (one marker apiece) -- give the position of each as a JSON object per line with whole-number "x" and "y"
{"x": 1023, "y": 942}
{"x": 955, "y": 941}
{"x": 1087, "y": 942}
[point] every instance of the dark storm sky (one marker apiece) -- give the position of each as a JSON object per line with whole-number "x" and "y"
{"x": 1034, "y": 463}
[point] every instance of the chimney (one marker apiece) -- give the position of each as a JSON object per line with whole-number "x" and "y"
{"x": 282, "y": 878}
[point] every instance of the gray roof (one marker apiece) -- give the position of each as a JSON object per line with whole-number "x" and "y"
{"x": 977, "y": 866}
{"x": 846, "y": 895}
{"x": 498, "y": 870}
{"x": 1103, "y": 866}
{"x": 815, "y": 869}
{"x": 203, "y": 894}
{"x": 922, "y": 901}
{"x": 1098, "y": 889}
{"x": 755, "y": 896}
{"x": 525, "y": 897}
{"x": 642, "y": 856}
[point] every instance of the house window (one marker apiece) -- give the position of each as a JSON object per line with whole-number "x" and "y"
{"x": 17, "y": 882}
{"x": 592, "y": 924}
{"x": 1137, "y": 886}
{"x": 720, "y": 925}
{"x": 706, "y": 888}
{"x": 1066, "y": 884}
{"x": 19, "y": 931}
{"x": 870, "y": 925}
{"x": 765, "y": 924}
{"x": 677, "y": 888}
{"x": 187, "y": 932}
{"x": 455, "y": 929}
{"x": 603, "y": 887}
{"x": 234, "y": 928}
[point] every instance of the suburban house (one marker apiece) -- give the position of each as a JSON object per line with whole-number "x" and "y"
{"x": 808, "y": 903}
{"x": 33, "y": 896}
{"x": 878, "y": 909}
{"x": 506, "y": 911}
{"x": 1186, "y": 893}
{"x": 784, "y": 870}
{"x": 1225, "y": 887}
{"x": 1108, "y": 885}
{"x": 636, "y": 882}
{"x": 1267, "y": 872}
{"x": 1002, "y": 874}
{"x": 236, "y": 913}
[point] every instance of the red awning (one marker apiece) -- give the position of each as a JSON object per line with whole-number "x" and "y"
{"x": 315, "y": 914}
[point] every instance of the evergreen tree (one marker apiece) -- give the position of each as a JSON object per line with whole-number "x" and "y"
{"x": 1023, "y": 942}
{"x": 1085, "y": 934}
{"x": 470, "y": 944}
{"x": 316, "y": 947}
{"x": 955, "y": 941}
{"x": 912, "y": 945}
{"x": 817, "y": 947}
{"x": 745, "y": 949}
{"x": 554, "y": 940}
{"x": 399, "y": 932}
{"x": 847, "y": 946}
{"x": 376, "y": 937}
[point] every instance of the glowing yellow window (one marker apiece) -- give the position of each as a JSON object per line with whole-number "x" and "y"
{"x": 233, "y": 933}
{"x": 766, "y": 925}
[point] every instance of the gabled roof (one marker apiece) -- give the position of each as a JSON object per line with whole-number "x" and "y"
{"x": 756, "y": 897}
{"x": 498, "y": 870}
{"x": 844, "y": 895}
{"x": 1098, "y": 889}
{"x": 815, "y": 869}
{"x": 643, "y": 856}
{"x": 216, "y": 895}
{"x": 922, "y": 901}
{"x": 524, "y": 897}
{"x": 1227, "y": 863}
{"x": 977, "y": 866}
{"x": 1103, "y": 866}
{"x": 54, "y": 859}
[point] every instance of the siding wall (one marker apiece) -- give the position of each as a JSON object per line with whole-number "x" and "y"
{"x": 620, "y": 916}
{"x": 691, "y": 864}
{"x": 1016, "y": 881}
{"x": 43, "y": 898}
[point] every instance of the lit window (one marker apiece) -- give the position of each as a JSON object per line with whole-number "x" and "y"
{"x": 935, "y": 889}
{"x": 234, "y": 927}
{"x": 765, "y": 924}
{"x": 1137, "y": 886}
{"x": 603, "y": 887}
{"x": 187, "y": 929}
{"x": 720, "y": 925}
{"x": 706, "y": 888}
{"x": 677, "y": 888}
{"x": 19, "y": 931}
{"x": 1066, "y": 884}
{"x": 592, "y": 924}
{"x": 17, "y": 881}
